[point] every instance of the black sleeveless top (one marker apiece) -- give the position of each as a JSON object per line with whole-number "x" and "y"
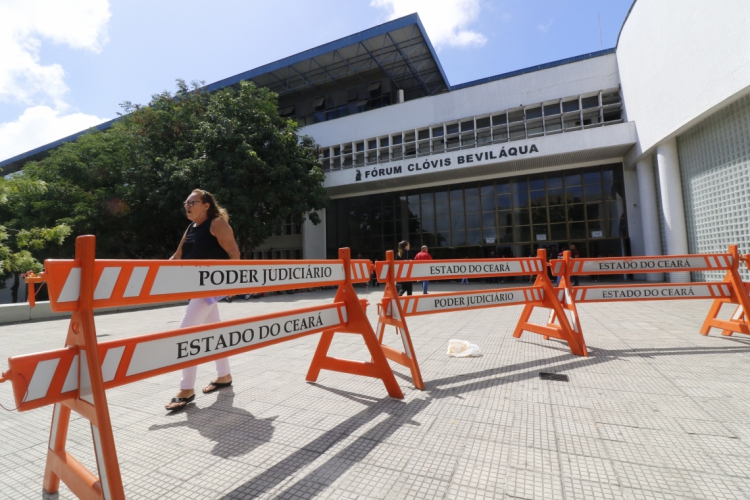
{"x": 201, "y": 244}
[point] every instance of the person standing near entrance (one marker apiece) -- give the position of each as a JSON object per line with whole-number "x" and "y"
{"x": 424, "y": 255}
{"x": 404, "y": 254}
{"x": 209, "y": 236}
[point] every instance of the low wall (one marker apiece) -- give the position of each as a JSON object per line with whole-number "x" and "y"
{"x": 22, "y": 313}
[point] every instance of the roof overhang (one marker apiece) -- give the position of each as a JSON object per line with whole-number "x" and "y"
{"x": 400, "y": 48}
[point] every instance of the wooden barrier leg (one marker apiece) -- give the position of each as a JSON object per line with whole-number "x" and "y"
{"x": 390, "y": 306}
{"x": 525, "y": 316}
{"x": 738, "y": 323}
{"x": 319, "y": 357}
{"x": 713, "y": 313}
{"x": 568, "y": 328}
{"x": 357, "y": 323}
{"x": 91, "y": 403}
{"x": 57, "y": 437}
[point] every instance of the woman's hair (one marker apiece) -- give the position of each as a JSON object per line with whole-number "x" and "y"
{"x": 215, "y": 210}
{"x": 401, "y": 247}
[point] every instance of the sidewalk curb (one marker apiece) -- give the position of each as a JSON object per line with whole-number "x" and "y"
{"x": 22, "y": 313}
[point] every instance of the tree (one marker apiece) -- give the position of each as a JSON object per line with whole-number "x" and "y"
{"x": 126, "y": 184}
{"x": 16, "y": 255}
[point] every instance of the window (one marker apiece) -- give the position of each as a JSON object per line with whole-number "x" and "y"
{"x": 533, "y": 113}
{"x": 552, "y": 109}
{"x": 499, "y": 120}
{"x": 590, "y": 102}
{"x": 515, "y": 116}
{"x": 569, "y": 106}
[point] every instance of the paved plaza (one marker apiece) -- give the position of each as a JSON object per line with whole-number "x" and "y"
{"x": 655, "y": 411}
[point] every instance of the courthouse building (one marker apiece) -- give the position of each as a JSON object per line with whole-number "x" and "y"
{"x": 642, "y": 149}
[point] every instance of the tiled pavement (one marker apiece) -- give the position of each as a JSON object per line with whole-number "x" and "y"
{"x": 655, "y": 411}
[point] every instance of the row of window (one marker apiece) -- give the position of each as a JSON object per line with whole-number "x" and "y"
{"x": 552, "y": 117}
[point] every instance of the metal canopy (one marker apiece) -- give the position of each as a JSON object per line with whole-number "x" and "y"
{"x": 398, "y": 50}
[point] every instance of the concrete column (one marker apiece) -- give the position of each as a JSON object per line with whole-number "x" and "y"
{"x": 314, "y": 238}
{"x": 649, "y": 212}
{"x": 673, "y": 207}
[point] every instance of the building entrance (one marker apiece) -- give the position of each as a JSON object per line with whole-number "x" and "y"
{"x": 511, "y": 217}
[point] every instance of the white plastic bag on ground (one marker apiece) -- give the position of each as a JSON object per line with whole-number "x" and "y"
{"x": 462, "y": 349}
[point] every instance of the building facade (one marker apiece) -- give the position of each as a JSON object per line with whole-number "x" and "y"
{"x": 643, "y": 149}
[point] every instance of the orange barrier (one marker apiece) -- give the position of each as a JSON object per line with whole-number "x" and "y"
{"x": 393, "y": 310}
{"x": 729, "y": 291}
{"x": 75, "y": 377}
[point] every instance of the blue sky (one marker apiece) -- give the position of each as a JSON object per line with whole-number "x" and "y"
{"x": 67, "y": 67}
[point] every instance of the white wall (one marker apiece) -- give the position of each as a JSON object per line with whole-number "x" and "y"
{"x": 680, "y": 61}
{"x": 314, "y": 238}
{"x": 572, "y": 79}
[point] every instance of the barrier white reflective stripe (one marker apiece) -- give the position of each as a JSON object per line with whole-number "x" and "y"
{"x": 737, "y": 313}
{"x": 359, "y": 271}
{"x": 71, "y": 380}
{"x": 40, "y": 381}
{"x": 72, "y": 288}
{"x": 557, "y": 267}
{"x": 457, "y": 301}
{"x": 111, "y": 362}
{"x": 85, "y": 391}
{"x": 384, "y": 272}
{"x": 654, "y": 292}
{"x": 407, "y": 351}
{"x": 661, "y": 264}
{"x": 533, "y": 294}
{"x": 55, "y": 421}
{"x": 135, "y": 283}
{"x": 100, "y": 462}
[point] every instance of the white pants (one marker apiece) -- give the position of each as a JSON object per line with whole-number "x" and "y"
{"x": 200, "y": 313}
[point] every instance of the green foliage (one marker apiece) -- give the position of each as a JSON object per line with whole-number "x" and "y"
{"x": 126, "y": 185}
{"x": 15, "y": 252}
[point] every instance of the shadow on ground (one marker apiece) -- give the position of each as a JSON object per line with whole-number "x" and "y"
{"x": 400, "y": 413}
{"x": 235, "y": 431}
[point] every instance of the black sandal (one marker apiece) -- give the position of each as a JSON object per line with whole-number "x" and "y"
{"x": 217, "y": 386}
{"x": 185, "y": 402}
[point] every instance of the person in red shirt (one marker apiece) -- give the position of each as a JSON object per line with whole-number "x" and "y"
{"x": 424, "y": 255}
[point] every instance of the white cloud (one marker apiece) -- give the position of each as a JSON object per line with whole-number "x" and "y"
{"x": 24, "y": 25}
{"x": 544, "y": 28}
{"x": 40, "y": 125}
{"x": 446, "y": 21}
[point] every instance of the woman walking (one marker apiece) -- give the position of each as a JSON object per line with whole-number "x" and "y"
{"x": 404, "y": 254}
{"x": 209, "y": 236}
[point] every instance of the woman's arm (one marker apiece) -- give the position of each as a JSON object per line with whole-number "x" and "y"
{"x": 178, "y": 254}
{"x": 224, "y": 234}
